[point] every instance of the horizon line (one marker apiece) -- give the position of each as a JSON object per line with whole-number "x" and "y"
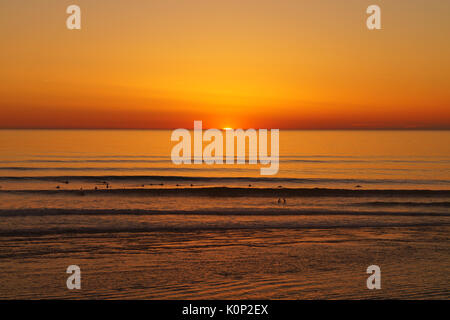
{"x": 284, "y": 129}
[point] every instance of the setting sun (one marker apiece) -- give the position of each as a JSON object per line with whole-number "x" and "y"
{"x": 253, "y": 150}
{"x": 165, "y": 65}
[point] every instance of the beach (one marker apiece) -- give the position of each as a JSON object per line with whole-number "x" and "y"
{"x": 140, "y": 227}
{"x": 231, "y": 264}
{"x": 267, "y": 150}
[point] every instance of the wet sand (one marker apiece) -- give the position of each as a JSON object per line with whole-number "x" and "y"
{"x": 231, "y": 264}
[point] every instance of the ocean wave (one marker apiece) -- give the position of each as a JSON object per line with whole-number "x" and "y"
{"x": 444, "y": 204}
{"x": 171, "y": 178}
{"x": 241, "y": 192}
{"x": 169, "y": 162}
{"x": 208, "y": 212}
{"x": 197, "y": 228}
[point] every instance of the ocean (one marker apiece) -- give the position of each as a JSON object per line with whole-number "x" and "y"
{"x": 139, "y": 226}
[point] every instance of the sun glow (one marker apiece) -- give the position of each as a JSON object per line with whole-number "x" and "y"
{"x": 256, "y": 69}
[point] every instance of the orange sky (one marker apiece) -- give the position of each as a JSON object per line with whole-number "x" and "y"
{"x": 234, "y": 63}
